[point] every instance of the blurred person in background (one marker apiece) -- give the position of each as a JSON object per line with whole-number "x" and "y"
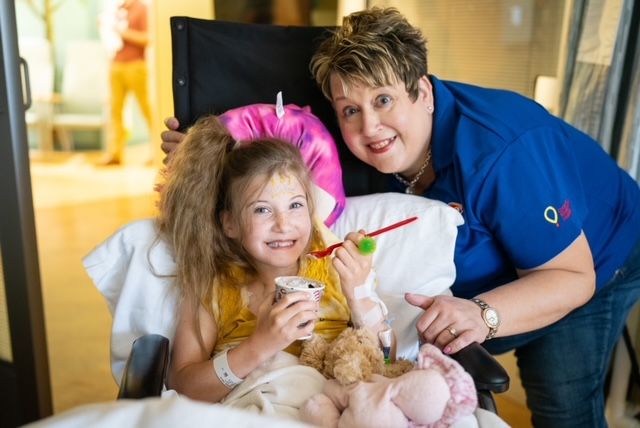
{"x": 123, "y": 28}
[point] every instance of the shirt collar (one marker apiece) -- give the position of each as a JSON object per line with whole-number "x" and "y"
{"x": 444, "y": 124}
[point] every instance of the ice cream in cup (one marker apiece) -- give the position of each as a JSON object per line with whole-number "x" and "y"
{"x": 299, "y": 284}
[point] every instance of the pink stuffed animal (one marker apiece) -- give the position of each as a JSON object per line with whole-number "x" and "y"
{"x": 435, "y": 394}
{"x": 303, "y": 129}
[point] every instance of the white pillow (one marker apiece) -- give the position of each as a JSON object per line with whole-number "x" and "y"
{"x": 132, "y": 268}
{"x": 416, "y": 258}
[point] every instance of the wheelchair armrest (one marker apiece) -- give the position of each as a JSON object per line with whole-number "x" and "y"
{"x": 487, "y": 373}
{"x": 146, "y": 367}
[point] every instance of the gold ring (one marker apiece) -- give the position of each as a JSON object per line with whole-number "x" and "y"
{"x": 452, "y": 331}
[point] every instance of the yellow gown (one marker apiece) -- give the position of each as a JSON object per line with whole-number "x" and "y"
{"x": 237, "y": 322}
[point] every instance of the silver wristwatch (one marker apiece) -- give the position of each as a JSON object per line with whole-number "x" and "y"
{"x": 490, "y": 317}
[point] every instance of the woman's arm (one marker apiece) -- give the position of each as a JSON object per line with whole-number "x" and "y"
{"x": 171, "y": 137}
{"x": 191, "y": 371}
{"x": 538, "y": 298}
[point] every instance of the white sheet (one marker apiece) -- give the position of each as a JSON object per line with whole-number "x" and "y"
{"x": 169, "y": 412}
{"x": 277, "y": 388}
{"x": 182, "y": 412}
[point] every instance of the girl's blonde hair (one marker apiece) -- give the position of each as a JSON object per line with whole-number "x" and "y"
{"x": 209, "y": 174}
{"x": 376, "y": 47}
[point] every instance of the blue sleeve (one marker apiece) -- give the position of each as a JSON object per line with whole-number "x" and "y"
{"x": 533, "y": 199}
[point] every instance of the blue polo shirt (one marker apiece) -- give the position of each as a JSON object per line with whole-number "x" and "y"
{"x": 527, "y": 183}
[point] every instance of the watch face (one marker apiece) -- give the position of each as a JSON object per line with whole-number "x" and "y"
{"x": 491, "y": 317}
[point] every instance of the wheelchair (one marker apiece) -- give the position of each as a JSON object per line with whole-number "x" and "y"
{"x": 221, "y": 65}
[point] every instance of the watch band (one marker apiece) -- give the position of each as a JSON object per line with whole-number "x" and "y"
{"x": 486, "y": 310}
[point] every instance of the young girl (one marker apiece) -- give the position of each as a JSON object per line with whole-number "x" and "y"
{"x": 239, "y": 214}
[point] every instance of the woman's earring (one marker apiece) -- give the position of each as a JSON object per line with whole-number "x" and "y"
{"x": 430, "y": 109}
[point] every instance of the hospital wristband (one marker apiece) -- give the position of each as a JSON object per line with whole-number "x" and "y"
{"x": 224, "y": 372}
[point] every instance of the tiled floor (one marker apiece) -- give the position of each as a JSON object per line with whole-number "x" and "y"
{"x": 78, "y": 205}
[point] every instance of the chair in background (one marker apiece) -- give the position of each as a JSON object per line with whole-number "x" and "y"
{"x": 83, "y": 103}
{"x": 38, "y": 56}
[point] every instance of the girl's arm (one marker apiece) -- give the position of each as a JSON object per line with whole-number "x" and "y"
{"x": 191, "y": 371}
{"x": 354, "y": 270}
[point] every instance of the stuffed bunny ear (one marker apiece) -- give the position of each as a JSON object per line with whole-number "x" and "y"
{"x": 320, "y": 411}
{"x": 339, "y": 394}
{"x": 324, "y": 410}
{"x": 464, "y": 398}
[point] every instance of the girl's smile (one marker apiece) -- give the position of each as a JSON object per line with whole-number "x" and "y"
{"x": 275, "y": 225}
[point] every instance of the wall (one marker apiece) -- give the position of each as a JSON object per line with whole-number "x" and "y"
{"x": 160, "y": 59}
{"x": 495, "y": 43}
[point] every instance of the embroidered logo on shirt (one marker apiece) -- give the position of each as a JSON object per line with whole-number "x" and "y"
{"x": 553, "y": 215}
{"x": 456, "y": 205}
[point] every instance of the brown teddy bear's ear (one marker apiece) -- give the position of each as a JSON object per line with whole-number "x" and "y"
{"x": 313, "y": 352}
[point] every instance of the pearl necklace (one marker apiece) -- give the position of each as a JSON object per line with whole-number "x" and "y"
{"x": 410, "y": 184}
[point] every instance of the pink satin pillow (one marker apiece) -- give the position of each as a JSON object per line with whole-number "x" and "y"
{"x": 300, "y": 127}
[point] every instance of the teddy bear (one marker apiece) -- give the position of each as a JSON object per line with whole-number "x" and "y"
{"x": 354, "y": 355}
{"x": 364, "y": 392}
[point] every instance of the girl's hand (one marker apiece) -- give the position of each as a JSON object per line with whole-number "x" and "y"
{"x": 450, "y": 323}
{"x": 352, "y": 266}
{"x": 281, "y": 323}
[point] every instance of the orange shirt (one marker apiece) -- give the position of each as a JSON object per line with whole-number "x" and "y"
{"x": 135, "y": 13}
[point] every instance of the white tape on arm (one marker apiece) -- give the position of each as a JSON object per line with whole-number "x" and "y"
{"x": 372, "y": 317}
{"x": 365, "y": 290}
{"x": 377, "y": 313}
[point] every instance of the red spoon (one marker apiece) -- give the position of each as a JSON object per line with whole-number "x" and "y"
{"x": 325, "y": 252}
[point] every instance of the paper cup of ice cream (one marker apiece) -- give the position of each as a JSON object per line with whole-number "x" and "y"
{"x": 299, "y": 284}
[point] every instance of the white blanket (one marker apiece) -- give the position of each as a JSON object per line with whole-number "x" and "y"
{"x": 168, "y": 412}
{"x": 277, "y": 388}
{"x": 281, "y": 386}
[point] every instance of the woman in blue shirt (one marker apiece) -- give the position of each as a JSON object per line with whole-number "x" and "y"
{"x": 548, "y": 260}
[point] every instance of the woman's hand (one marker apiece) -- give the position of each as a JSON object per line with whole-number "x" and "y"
{"x": 280, "y": 324}
{"x": 524, "y": 303}
{"x": 448, "y": 322}
{"x": 171, "y": 137}
{"x": 352, "y": 266}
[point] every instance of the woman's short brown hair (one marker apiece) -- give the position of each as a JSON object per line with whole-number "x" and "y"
{"x": 376, "y": 47}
